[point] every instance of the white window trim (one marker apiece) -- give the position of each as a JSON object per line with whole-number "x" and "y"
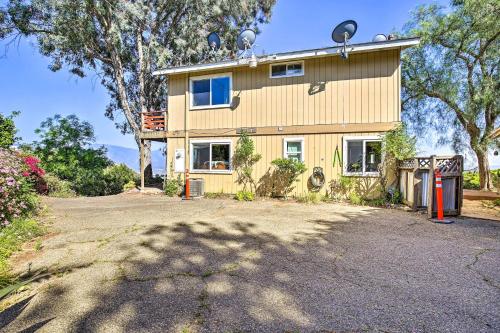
{"x": 216, "y": 141}
{"x": 210, "y": 76}
{"x": 286, "y": 75}
{"x": 364, "y": 139}
{"x": 302, "y": 150}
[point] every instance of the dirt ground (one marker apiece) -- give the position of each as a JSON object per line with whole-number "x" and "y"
{"x": 481, "y": 209}
{"x": 139, "y": 263}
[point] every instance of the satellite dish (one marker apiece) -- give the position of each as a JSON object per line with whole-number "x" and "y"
{"x": 213, "y": 41}
{"x": 379, "y": 38}
{"x": 246, "y": 39}
{"x": 343, "y": 33}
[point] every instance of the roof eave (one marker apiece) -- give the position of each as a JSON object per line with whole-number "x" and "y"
{"x": 288, "y": 56}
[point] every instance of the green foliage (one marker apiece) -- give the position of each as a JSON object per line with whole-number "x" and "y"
{"x": 491, "y": 204}
{"x": 397, "y": 144}
{"x": 310, "y": 198}
{"x": 355, "y": 198}
{"x": 58, "y": 188}
{"x": 129, "y": 186}
{"x": 11, "y": 239}
{"x": 17, "y": 196}
{"x": 173, "y": 187}
{"x": 124, "y": 42}
{"x": 341, "y": 187}
{"x": 471, "y": 179}
{"x": 65, "y": 147}
{"x": 394, "y": 198}
{"x": 286, "y": 173}
{"x": 103, "y": 182}
{"x": 243, "y": 161}
{"x": 116, "y": 176}
{"x": 450, "y": 80}
{"x": 244, "y": 196}
{"x": 216, "y": 195}
{"x": 8, "y": 130}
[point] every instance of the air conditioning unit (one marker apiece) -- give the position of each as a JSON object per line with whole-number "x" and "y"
{"x": 196, "y": 187}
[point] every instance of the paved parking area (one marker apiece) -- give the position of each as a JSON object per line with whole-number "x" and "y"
{"x": 149, "y": 263}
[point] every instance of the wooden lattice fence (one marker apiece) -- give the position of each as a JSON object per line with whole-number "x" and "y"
{"x": 416, "y": 183}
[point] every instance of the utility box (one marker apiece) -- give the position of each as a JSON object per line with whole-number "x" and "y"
{"x": 196, "y": 187}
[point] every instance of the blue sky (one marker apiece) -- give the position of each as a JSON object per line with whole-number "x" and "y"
{"x": 27, "y": 85}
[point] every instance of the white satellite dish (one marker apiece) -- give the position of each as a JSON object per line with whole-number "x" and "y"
{"x": 246, "y": 41}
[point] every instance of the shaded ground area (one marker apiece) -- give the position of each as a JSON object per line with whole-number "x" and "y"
{"x": 148, "y": 263}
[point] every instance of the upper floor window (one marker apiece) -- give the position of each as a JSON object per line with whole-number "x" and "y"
{"x": 211, "y": 91}
{"x": 362, "y": 155}
{"x": 287, "y": 69}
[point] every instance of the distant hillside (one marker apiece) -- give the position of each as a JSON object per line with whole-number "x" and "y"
{"x": 130, "y": 157}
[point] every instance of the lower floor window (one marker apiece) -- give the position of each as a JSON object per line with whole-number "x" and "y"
{"x": 293, "y": 148}
{"x": 362, "y": 155}
{"x": 211, "y": 156}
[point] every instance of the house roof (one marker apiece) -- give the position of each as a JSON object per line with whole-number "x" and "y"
{"x": 294, "y": 55}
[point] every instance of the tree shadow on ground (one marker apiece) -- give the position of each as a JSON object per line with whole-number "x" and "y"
{"x": 15, "y": 310}
{"x": 228, "y": 274}
{"x": 220, "y": 279}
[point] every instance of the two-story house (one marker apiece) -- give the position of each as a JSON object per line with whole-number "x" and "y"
{"x": 311, "y": 105}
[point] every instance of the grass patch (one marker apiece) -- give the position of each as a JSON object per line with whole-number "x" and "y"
{"x": 11, "y": 239}
{"x": 309, "y": 198}
{"x": 216, "y": 195}
{"x": 491, "y": 203}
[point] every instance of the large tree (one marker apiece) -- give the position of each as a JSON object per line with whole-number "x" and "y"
{"x": 450, "y": 81}
{"x": 123, "y": 42}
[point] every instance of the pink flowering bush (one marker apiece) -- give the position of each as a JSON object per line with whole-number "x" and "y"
{"x": 17, "y": 176}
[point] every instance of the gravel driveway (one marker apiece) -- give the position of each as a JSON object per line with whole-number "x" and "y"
{"x": 148, "y": 263}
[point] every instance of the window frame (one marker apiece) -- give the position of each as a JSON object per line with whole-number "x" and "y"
{"x": 286, "y": 64}
{"x": 210, "y": 142}
{"x": 302, "y": 149}
{"x": 364, "y": 140}
{"x": 210, "y": 77}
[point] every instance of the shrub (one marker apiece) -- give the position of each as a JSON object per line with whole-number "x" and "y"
{"x": 58, "y": 188}
{"x": 17, "y": 197}
{"x": 341, "y": 187}
{"x": 129, "y": 186}
{"x": 172, "y": 187}
{"x": 244, "y": 196}
{"x": 90, "y": 183}
{"x": 244, "y": 160}
{"x": 116, "y": 176}
{"x": 106, "y": 182}
{"x": 286, "y": 173}
{"x": 355, "y": 198}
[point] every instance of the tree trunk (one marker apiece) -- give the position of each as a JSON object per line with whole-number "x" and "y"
{"x": 148, "y": 167}
{"x": 483, "y": 163}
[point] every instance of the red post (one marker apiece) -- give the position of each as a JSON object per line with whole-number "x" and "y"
{"x": 187, "y": 194}
{"x": 439, "y": 195}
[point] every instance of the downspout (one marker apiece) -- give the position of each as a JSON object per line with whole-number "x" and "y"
{"x": 186, "y": 129}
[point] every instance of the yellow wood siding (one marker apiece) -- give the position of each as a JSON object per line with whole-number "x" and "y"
{"x": 319, "y": 151}
{"x": 363, "y": 89}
